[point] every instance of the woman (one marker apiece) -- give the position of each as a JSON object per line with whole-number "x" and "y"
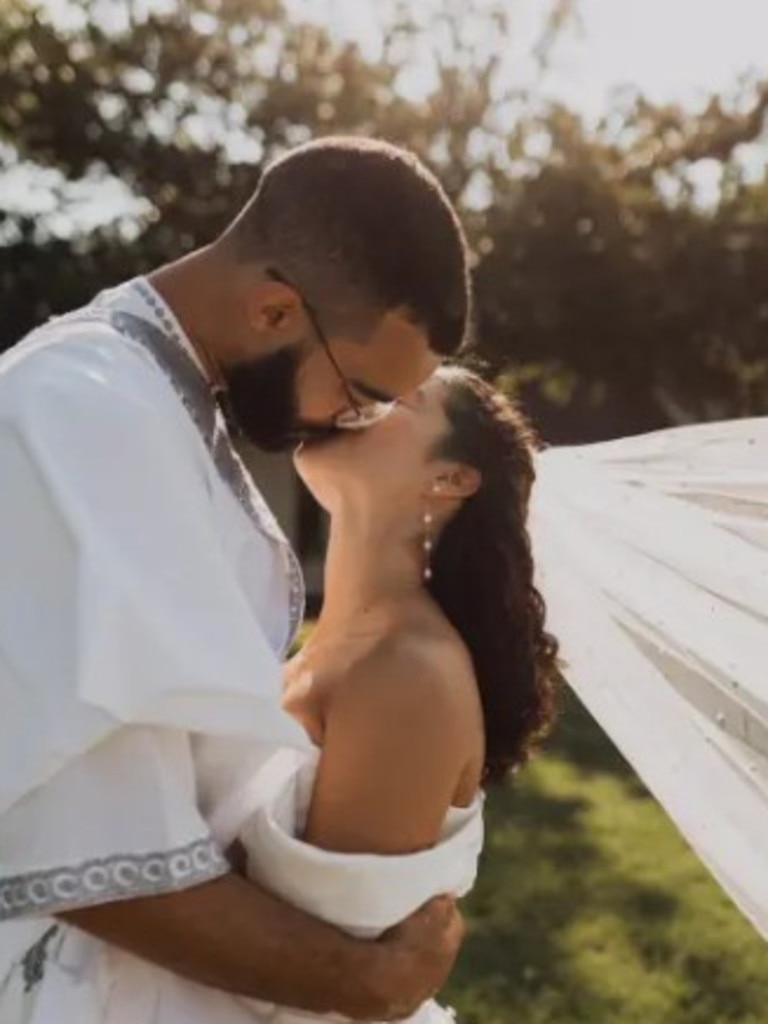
{"x": 428, "y": 675}
{"x": 430, "y": 653}
{"x": 430, "y": 671}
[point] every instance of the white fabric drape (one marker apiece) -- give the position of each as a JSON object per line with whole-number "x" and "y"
{"x": 652, "y": 555}
{"x": 119, "y": 604}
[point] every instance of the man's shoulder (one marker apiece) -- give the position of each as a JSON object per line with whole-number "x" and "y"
{"x": 80, "y": 402}
{"x": 71, "y": 358}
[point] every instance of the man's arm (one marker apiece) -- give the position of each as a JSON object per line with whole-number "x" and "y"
{"x": 232, "y": 935}
{"x": 129, "y": 803}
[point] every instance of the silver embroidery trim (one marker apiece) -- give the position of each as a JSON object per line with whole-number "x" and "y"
{"x": 227, "y": 460}
{"x": 195, "y": 394}
{"x": 202, "y": 408}
{"x": 123, "y": 876}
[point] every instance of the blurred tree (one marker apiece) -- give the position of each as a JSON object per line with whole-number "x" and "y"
{"x": 615, "y": 298}
{"x": 629, "y": 302}
{"x": 183, "y": 105}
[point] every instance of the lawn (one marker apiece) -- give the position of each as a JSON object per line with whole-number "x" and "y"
{"x": 591, "y": 908}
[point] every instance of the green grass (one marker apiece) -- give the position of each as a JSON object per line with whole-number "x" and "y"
{"x": 591, "y": 908}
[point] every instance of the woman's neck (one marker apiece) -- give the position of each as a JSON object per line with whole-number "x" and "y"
{"x": 369, "y": 567}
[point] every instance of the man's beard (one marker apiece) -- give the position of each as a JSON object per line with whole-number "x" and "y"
{"x": 263, "y": 401}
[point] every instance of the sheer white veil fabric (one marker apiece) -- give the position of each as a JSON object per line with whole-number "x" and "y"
{"x": 652, "y": 556}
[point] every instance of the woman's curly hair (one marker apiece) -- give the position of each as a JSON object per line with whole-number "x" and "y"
{"x": 483, "y": 571}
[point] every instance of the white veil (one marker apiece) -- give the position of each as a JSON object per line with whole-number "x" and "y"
{"x": 652, "y": 555}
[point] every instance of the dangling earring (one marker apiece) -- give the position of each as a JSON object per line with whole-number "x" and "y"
{"x": 427, "y": 542}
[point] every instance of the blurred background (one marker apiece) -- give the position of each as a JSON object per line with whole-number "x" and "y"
{"x": 608, "y": 158}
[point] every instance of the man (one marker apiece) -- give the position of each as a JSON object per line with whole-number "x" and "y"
{"x": 147, "y": 595}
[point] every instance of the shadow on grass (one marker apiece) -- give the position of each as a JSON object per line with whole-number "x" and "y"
{"x": 541, "y": 874}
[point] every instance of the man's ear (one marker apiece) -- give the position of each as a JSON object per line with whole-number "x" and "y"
{"x": 456, "y": 480}
{"x": 275, "y": 307}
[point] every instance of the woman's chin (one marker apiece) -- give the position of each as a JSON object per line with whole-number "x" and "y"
{"x": 318, "y": 461}
{"x": 325, "y": 446}
{"x": 311, "y": 449}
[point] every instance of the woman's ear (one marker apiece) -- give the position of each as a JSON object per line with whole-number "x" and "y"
{"x": 456, "y": 481}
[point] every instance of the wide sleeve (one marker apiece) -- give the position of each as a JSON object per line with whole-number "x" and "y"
{"x": 118, "y": 822}
{"x": 119, "y": 605}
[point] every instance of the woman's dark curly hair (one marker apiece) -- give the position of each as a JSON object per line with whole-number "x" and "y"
{"x": 482, "y": 571}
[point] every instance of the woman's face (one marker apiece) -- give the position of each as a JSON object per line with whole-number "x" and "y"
{"x": 390, "y": 462}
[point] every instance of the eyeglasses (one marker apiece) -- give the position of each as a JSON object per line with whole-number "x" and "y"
{"x": 358, "y": 416}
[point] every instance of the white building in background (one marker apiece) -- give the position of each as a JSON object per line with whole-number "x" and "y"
{"x": 302, "y": 520}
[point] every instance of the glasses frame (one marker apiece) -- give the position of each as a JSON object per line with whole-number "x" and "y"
{"x": 362, "y": 415}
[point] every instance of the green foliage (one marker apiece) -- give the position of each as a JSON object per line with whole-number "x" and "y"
{"x": 590, "y": 907}
{"x": 619, "y": 295}
{"x": 605, "y": 289}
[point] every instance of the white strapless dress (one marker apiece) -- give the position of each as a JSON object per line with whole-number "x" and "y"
{"x": 86, "y": 982}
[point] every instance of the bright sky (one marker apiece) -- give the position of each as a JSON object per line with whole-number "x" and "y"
{"x": 681, "y": 50}
{"x": 670, "y": 49}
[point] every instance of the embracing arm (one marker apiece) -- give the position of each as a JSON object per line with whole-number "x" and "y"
{"x": 230, "y": 934}
{"x": 76, "y": 848}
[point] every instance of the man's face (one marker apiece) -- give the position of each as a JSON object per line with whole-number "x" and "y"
{"x": 297, "y": 393}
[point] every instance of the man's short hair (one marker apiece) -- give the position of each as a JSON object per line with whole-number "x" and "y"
{"x": 362, "y": 227}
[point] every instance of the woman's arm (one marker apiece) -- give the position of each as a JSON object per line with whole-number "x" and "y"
{"x": 398, "y": 735}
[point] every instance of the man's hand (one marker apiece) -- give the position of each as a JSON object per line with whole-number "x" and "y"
{"x": 418, "y": 956}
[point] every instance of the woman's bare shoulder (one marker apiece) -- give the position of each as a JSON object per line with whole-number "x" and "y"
{"x": 417, "y": 670}
{"x": 403, "y": 740}
{"x": 415, "y": 645}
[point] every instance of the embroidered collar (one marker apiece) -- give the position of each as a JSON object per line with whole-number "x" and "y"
{"x": 159, "y": 334}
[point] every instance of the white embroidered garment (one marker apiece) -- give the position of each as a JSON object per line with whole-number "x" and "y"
{"x": 146, "y": 599}
{"x": 363, "y": 894}
{"x": 652, "y": 555}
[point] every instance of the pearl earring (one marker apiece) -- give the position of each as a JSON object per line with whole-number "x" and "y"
{"x": 429, "y": 520}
